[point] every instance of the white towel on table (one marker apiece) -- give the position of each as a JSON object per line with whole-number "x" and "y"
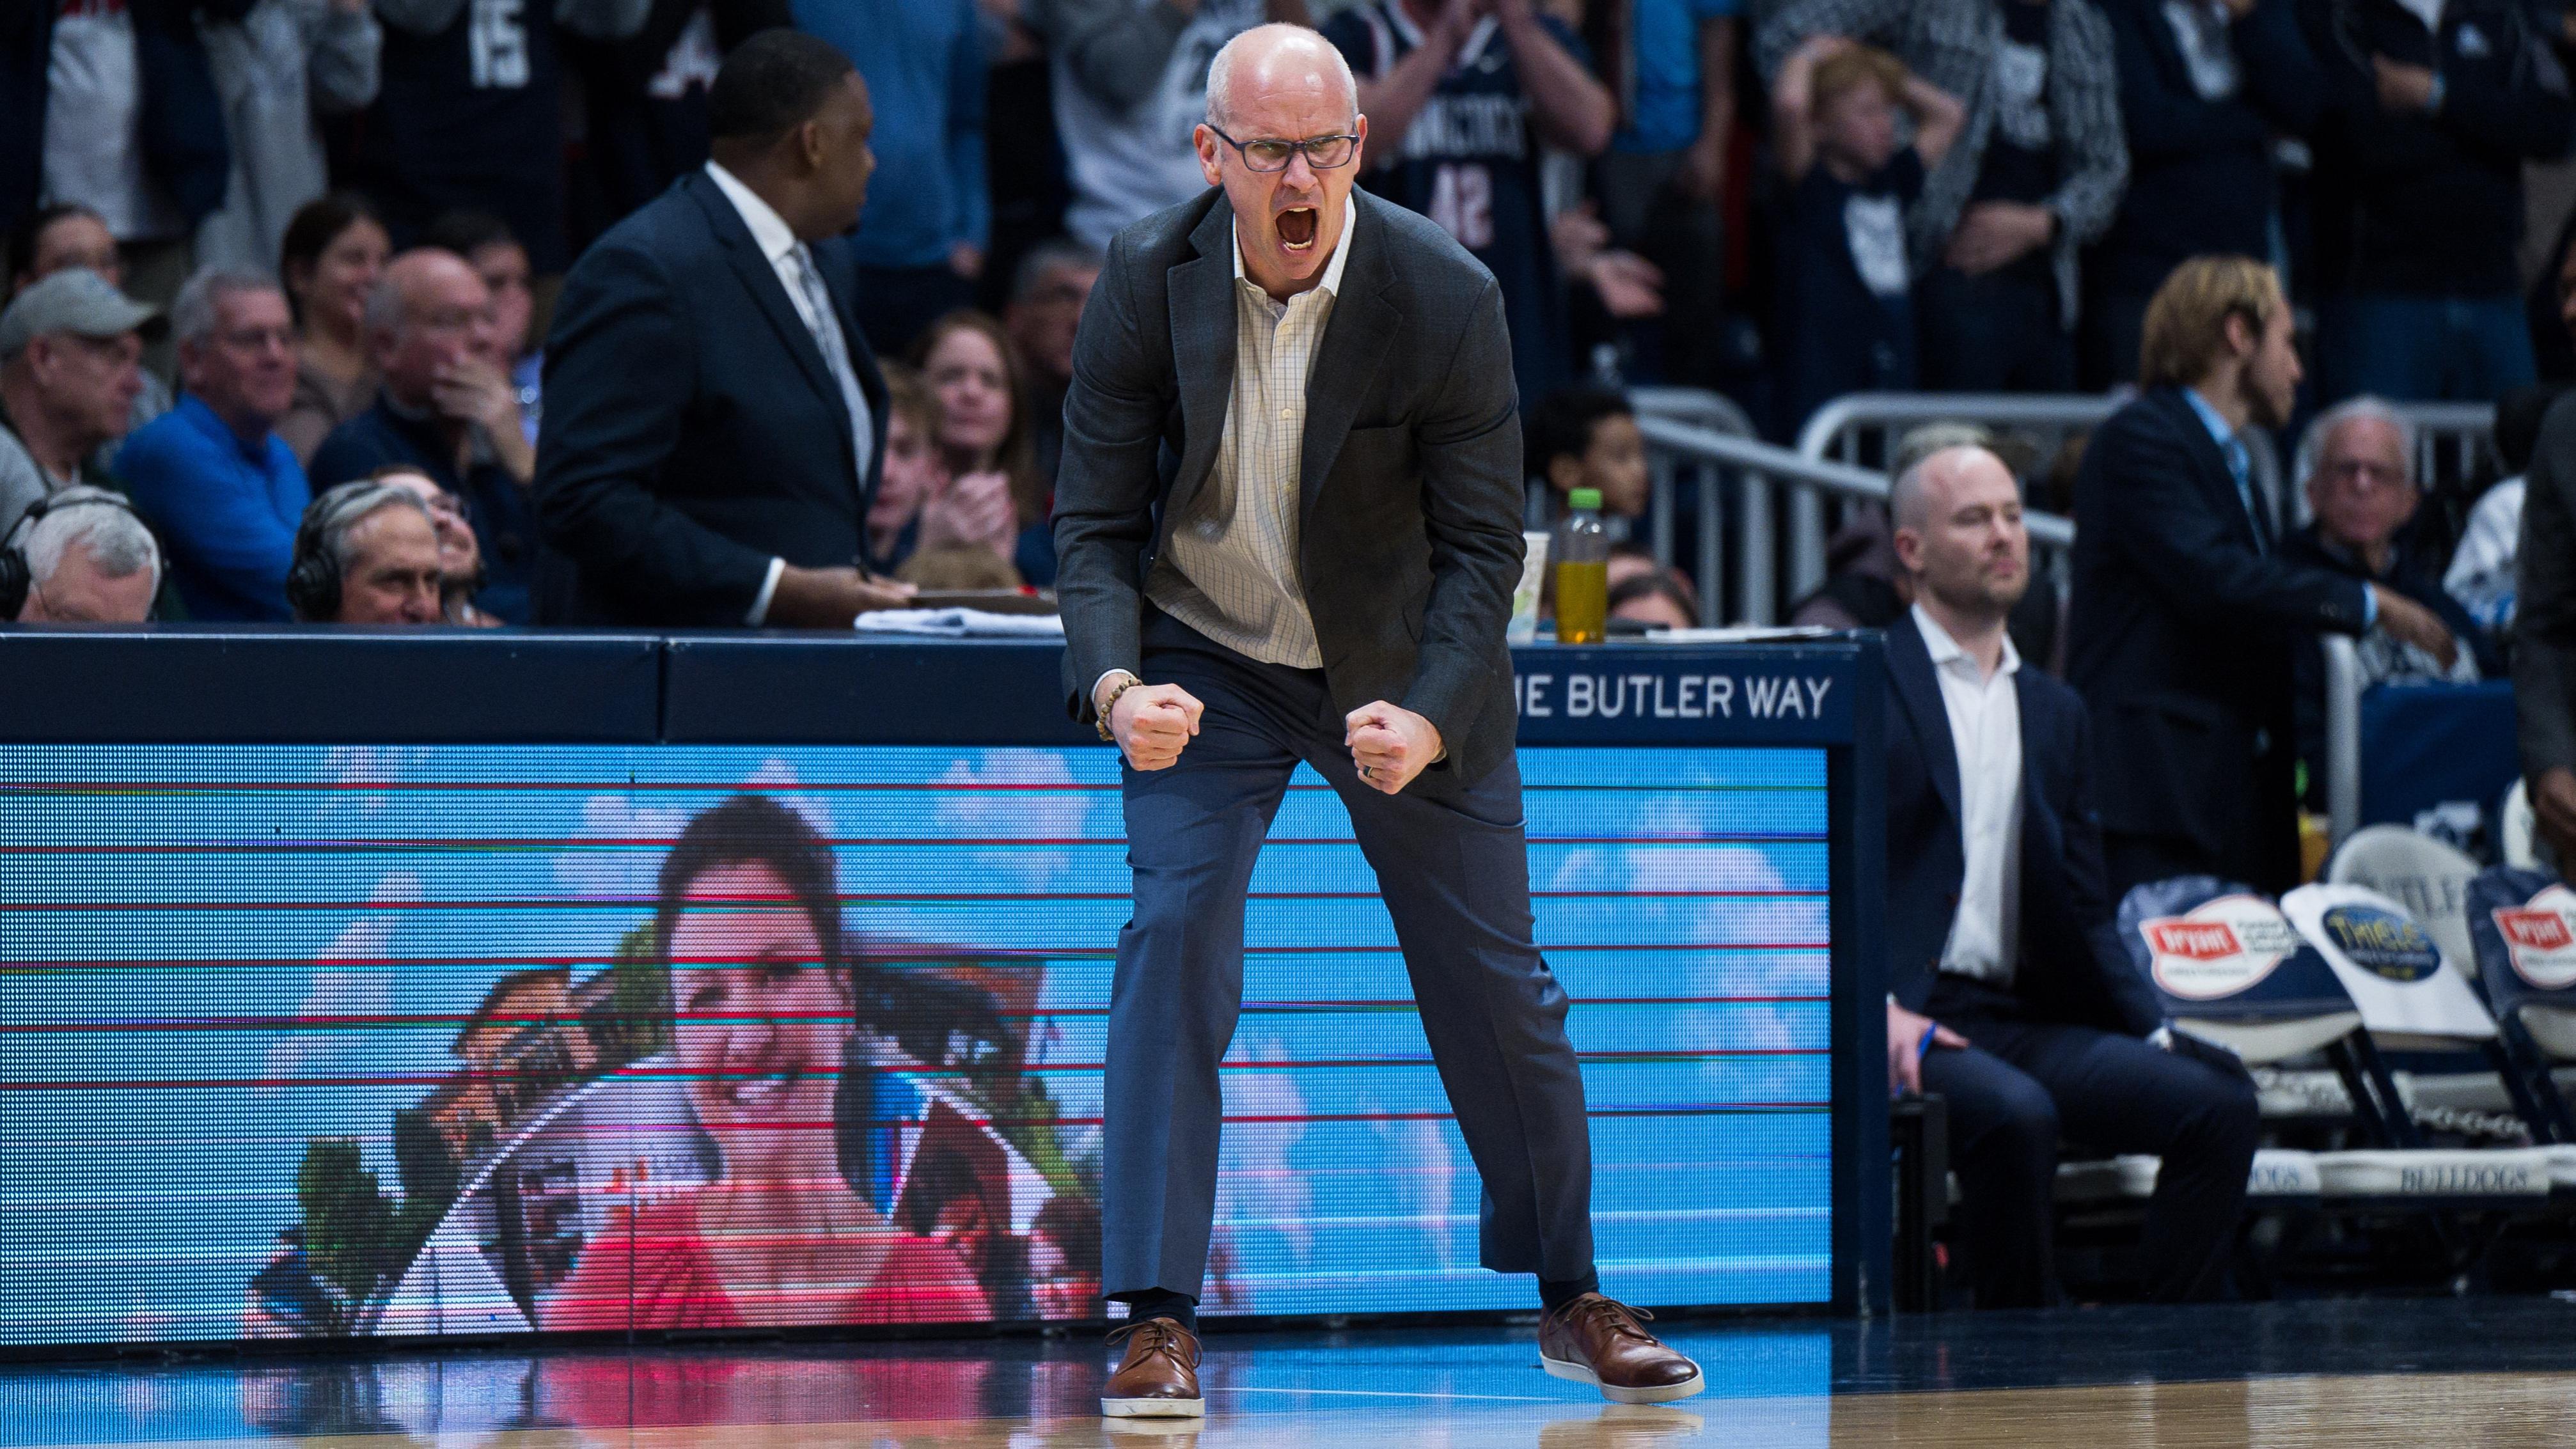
{"x": 962, "y": 624}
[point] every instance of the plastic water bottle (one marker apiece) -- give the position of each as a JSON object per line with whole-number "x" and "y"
{"x": 1582, "y": 564}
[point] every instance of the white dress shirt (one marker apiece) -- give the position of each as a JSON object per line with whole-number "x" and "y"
{"x": 794, "y": 263}
{"x": 1230, "y": 570}
{"x": 1985, "y": 730}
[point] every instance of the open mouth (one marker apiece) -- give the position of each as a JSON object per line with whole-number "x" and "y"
{"x": 1297, "y": 228}
{"x": 767, "y": 1088}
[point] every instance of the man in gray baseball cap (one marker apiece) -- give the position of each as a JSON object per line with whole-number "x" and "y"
{"x": 70, "y": 365}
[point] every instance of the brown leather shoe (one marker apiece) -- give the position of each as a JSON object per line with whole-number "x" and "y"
{"x": 1159, "y": 1378}
{"x": 1599, "y": 1341}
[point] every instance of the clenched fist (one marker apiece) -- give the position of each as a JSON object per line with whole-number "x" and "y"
{"x": 1153, "y": 723}
{"x": 1390, "y": 744}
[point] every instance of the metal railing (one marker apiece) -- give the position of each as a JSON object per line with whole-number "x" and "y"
{"x": 1690, "y": 429}
{"x": 2459, "y": 434}
{"x": 1868, "y": 425}
{"x": 1759, "y": 471}
{"x": 2343, "y": 737}
{"x": 1692, "y": 407}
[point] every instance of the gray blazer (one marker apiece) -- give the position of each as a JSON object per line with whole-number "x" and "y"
{"x": 2544, "y": 621}
{"x": 1409, "y": 541}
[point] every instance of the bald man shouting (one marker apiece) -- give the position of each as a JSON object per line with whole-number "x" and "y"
{"x": 1289, "y": 527}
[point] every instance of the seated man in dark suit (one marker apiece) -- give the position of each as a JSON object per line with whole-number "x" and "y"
{"x": 2185, "y": 612}
{"x": 713, "y": 417}
{"x": 1998, "y": 930}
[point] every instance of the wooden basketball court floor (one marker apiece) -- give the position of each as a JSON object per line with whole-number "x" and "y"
{"x": 2492, "y": 1371}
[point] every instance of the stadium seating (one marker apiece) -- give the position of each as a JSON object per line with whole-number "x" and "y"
{"x": 2343, "y": 969}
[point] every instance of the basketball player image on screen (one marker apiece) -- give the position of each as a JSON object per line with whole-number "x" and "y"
{"x": 749, "y": 921}
{"x": 1323, "y": 578}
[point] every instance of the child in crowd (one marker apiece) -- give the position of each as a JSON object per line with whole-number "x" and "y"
{"x": 919, "y": 527}
{"x": 1657, "y": 599}
{"x": 1847, "y": 318}
{"x": 1585, "y": 436}
{"x": 912, "y": 474}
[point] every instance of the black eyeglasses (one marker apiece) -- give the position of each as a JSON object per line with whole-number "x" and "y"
{"x": 1323, "y": 152}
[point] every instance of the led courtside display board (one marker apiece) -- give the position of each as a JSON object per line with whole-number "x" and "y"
{"x": 315, "y": 1040}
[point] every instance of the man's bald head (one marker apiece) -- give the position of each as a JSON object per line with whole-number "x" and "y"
{"x": 1909, "y": 500}
{"x": 412, "y": 278}
{"x": 1285, "y": 62}
{"x": 429, "y": 314}
{"x": 1959, "y": 531}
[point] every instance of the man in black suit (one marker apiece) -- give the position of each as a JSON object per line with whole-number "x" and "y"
{"x": 2544, "y": 655}
{"x": 2185, "y": 615}
{"x": 712, "y": 414}
{"x": 1288, "y": 521}
{"x": 1999, "y": 932}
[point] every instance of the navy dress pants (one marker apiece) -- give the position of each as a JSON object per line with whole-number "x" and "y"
{"x": 1453, "y": 867}
{"x": 2022, "y": 1084}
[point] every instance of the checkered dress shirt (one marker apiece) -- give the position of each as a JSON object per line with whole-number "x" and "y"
{"x": 1230, "y": 570}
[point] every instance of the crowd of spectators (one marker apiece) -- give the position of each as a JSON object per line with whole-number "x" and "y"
{"x": 333, "y": 235}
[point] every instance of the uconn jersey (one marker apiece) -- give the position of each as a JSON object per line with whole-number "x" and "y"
{"x": 468, "y": 116}
{"x": 1128, "y": 163}
{"x": 1470, "y": 163}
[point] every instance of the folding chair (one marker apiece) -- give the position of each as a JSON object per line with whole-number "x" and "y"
{"x": 2228, "y": 966}
{"x": 2522, "y": 930}
{"x": 2428, "y": 877}
{"x": 2410, "y": 995}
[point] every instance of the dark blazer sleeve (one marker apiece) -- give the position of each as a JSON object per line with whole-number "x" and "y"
{"x": 2190, "y": 556}
{"x": 620, "y": 369}
{"x": 2544, "y": 657}
{"x": 1107, "y": 484}
{"x": 1469, "y": 439}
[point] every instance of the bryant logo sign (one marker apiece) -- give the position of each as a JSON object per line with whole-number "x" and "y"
{"x": 2194, "y": 940}
{"x": 2218, "y": 948}
{"x": 2540, "y": 938}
